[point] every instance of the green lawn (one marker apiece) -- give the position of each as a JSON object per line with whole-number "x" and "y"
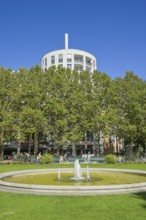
{"x": 34, "y": 207}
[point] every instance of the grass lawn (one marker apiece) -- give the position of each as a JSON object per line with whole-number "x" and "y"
{"x": 35, "y": 207}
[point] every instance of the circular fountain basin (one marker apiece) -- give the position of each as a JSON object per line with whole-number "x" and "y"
{"x": 78, "y": 178}
{"x": 71, "y": 189}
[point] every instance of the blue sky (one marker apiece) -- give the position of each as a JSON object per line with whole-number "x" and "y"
{"x": 114, "y": 31}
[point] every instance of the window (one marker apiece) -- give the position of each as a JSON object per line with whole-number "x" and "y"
{"x": 69, "y": 60}
{"x": 78, "y": 58}
{"x": 60, "y": 58}
{"x": 42, "y": 62}
{"x": 78, "y": 67}
{"x": 89, "y": 136}
{"x": 45, "y": 61}
{"x": 88, "y": 68}
{"x": 52, "y": 59}
{"x": 88, "y": 61}
{"x": 69, "y": 65}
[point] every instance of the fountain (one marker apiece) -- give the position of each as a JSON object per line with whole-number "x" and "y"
{"x": 89, "y": 185}
{"x": 77, "y": 171}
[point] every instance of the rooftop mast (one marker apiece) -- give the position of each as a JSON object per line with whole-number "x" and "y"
{"x": 66, "y": 41}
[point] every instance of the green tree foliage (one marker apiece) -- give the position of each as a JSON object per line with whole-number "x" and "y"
{"x": 68, "y": 104}
{"x": 130, "y": 98}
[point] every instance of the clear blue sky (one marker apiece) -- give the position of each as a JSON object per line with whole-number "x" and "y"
{"x": 114, "y": 31}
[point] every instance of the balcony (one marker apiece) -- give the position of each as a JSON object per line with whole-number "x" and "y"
{"x": 88, "y": 68}
{"x": 78, "y": 67}
{"x": 60, "y": 61}
{"x": 88, "y": 61}
{"x": 78, "y": 59}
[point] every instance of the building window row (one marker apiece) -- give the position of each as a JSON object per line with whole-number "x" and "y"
{"x": 78, "y": 59}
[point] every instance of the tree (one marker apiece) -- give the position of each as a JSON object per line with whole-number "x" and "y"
{"x": 130, "y": 100}
{"x": 6, "y": 111}
{"x": 101, "y": 107}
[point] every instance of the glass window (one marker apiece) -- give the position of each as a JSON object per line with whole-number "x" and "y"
{"x": 69, "y": 65}
{"x": 88, "y": 61}
{"x": 45, "y": 61}
{"x": 60, "y": 58}
{"x": 78, "y": 58}
{"x": 79, "y": 68}
{"x": 52, "y": 59}
{"x": 69, "y": 56}
{"x": 69, "y": 60}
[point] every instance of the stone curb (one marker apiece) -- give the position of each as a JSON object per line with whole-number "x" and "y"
{"x": 71, "y": 190}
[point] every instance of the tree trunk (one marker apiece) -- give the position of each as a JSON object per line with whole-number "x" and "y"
{"x": 94, "y": 145}
{"x": 29, "y": 144}
{"x": 73, "y": 149}
{"x": 36, "y": 143}
{"x": 19, "y": 142}
{"x": 98, "y": 143}
{"x": 1, "y": 150}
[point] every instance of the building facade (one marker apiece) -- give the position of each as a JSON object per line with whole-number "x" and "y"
{"x": 69, "y": 58}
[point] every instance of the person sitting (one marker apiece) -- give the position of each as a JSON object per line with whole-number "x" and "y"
{"x": 61, "y": 159}
{"x": 39, "y": 157}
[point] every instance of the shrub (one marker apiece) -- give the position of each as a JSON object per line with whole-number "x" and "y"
{"x": 111, "y": 158}
{"x": 140, "y": 152}
{"x": 130, "y": 157}
{"x": 46, "y": 158}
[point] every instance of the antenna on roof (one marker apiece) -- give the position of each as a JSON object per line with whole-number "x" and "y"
{"x": 66, "y": 41}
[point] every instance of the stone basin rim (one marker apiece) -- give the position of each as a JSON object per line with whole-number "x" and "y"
{"x": 71, "y": 190}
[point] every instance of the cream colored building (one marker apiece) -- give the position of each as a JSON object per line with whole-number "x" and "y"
{"x": 72, "y": 58}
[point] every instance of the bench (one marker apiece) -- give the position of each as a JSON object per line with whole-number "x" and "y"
{"x": 71, "y": 159}
{"x": 81, "y": 159}
{"x": 56, "y": 160}
{"x": 33, "y": 158}
{"x": 97, "y": 159}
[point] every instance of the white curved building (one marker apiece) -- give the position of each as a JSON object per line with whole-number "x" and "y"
{"x": 75, "y": 59}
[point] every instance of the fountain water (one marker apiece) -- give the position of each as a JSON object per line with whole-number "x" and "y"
{"x": 77, "y": 168}
{"x": 77, "y": 171}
